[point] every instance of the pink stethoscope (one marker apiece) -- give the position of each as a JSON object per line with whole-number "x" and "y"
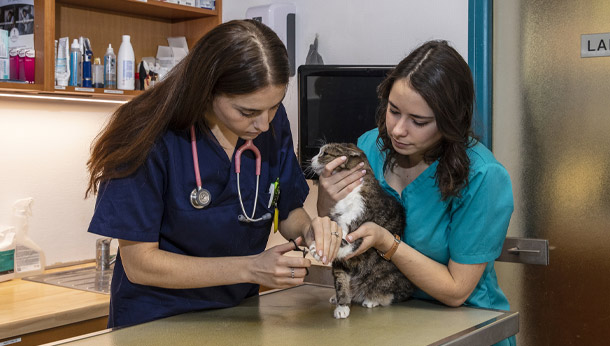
{"x": 201, "y": 198}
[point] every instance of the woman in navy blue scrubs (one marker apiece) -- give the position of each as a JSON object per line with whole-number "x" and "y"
{"x": 173, "y": 257}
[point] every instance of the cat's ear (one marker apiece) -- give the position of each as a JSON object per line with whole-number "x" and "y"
{"x": 354, "y": 154}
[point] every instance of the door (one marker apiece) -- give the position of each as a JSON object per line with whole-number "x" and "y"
{"x": 551, "y": 129}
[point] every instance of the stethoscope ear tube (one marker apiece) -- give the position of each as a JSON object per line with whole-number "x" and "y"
{"x": 265, "y": 217}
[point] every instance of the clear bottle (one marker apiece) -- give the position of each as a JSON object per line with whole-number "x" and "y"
{"x": 110, "y": 68}
{"x": 75, "y": 63}
{"x": 29, "y": 257}
{"x": 98, "y": 73}
{"x": 126, "y": 65}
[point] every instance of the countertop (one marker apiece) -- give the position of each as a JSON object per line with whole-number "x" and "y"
{"x": 303, "y": 316}
{"x": 28, "y": 307}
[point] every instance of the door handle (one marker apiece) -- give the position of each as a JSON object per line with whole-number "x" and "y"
{"x": 517, "y": 250}
{"x": 525, "y": 250}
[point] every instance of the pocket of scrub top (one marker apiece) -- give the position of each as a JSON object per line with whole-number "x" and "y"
{"x": 261, "y": 209}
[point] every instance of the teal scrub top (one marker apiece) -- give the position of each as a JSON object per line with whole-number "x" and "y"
{"x": 469, "y": 229}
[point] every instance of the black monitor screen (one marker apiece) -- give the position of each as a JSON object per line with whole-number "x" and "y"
{"x": 337, "y": 103}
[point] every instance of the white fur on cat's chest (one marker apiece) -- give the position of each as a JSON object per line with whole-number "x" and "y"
{"x": 348, "y": 209}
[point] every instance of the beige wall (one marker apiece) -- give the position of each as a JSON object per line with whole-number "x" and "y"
{"x": 44, "y": 146}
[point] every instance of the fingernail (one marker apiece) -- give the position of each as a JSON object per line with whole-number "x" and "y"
{"x": 319, "y": 252}
{"x": 361, "y": 164}
{"x": 349, "y": 238}
{"x": 363, "y": 171}
{"x": 324, "y": 259}
{"x": 343, "y": 158}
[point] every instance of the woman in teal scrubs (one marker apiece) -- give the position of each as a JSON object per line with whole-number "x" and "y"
{"x": 176, "y": 255}
{"x": 457, "y": 197}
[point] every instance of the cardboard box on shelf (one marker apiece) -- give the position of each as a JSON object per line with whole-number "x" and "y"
{"x": 169, "y": 56}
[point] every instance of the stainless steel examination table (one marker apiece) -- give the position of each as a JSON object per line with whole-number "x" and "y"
{"x": 302, "y": 315}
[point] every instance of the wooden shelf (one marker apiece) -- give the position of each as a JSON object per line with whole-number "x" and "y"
{"x": 104, "y": 22}
{"x": 97, "y": 92}
{"x": 14, "y": 86}
{"x": 150, "y": 8}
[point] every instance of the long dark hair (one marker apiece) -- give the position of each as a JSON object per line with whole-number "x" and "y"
{"x": 235, "y": 58}
{"x": 440, "y": 75}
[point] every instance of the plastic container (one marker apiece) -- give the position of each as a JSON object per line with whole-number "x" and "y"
{"x": 29, "y": 258}
{"x": 87, "y": 70}
{"x": 62, "y": 68}
{"x": 29, "y": 65}
{"x": 98, "y": 73}
{"x": 110, "y": 68}
{"x": 75, "y": 63}
{"x": 7, "y": 253}
{"x": 22, "y": 64}
{"x": 14, "y": 64}
{"x": 126, "y": 65}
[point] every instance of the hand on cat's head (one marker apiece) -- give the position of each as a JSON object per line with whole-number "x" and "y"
{"x": 331, "y": 151}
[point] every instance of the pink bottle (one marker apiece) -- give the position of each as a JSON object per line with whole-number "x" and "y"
{"x": 22, "y": 64}
{"x": 30, "y": 65}
{"x": 14, "y": 64}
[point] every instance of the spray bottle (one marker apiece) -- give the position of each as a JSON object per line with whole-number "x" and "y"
{"x": 7, "y": 253}
{"x": 87, "y": 70}
{"x": 75, "y": 64}
{"x": 29, "y": 258}
{"x": 110, "y": 68}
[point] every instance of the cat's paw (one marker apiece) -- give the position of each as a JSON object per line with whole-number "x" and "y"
{"x": 369, "y": 303}
{"x": 342, "y": 311}
{"x": 333, "y": 300}
{"x": 345, "y": 250}
{"x": 314, "y": 253}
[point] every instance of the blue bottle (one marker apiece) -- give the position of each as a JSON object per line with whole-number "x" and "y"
{"x": 87, "y": 75}
{"x": 75, "y": 63}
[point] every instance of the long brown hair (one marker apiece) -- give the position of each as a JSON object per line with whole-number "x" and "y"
{"x": 440, "y": 75}
{"x": 235, "y": 58}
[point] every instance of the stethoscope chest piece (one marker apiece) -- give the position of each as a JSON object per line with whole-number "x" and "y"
{"x": 200, "y": 198}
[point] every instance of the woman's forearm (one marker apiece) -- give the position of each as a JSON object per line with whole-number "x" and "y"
{"x": 146, "y": 264}
{"x": 451, "y": 284}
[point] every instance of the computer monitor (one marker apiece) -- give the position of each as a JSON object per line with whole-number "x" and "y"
{"x": 337, "y": 103}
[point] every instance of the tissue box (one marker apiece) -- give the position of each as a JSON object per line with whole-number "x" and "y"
{"x": 4, "y": 60}
{"x": 168, "y": 56}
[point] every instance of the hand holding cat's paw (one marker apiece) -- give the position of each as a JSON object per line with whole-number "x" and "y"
{"x": 314, "y": 252}
{"x": 342, "y": 311}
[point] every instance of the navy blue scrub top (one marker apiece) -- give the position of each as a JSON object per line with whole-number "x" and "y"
{"x": 153, "y": 205}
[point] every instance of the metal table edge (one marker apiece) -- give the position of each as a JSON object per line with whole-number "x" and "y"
{"x": 486, "y": 333}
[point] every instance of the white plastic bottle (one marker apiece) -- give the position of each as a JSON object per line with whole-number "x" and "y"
{"x": 126, "y": 62}
{"x": 110, "y": 68}
{"x": 7, "y": 253}
{"x": 29, "y": 258}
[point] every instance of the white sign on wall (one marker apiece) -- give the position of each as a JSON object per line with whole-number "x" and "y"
{"x": 594, "y": 45}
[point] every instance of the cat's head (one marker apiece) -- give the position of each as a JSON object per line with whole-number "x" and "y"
{"x": 331, "y": 151}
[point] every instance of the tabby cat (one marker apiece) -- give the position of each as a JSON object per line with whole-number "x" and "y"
{"x": 367, "y": 279}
